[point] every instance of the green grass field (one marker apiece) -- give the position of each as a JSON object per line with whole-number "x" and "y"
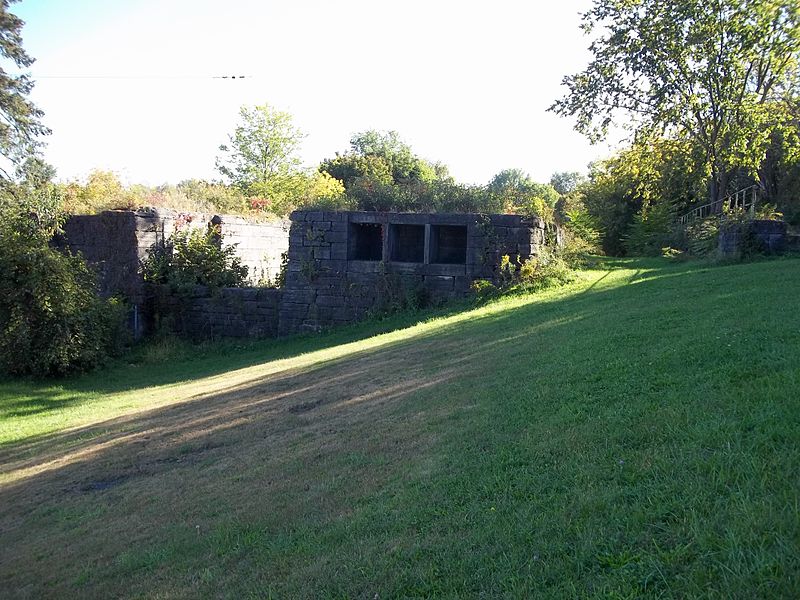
{"x": 634, "y": 434}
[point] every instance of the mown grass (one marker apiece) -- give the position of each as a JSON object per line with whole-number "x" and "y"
{"x": 634, "y": 434}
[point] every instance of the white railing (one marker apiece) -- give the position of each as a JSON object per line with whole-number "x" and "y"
{"x": 744, "y": 200}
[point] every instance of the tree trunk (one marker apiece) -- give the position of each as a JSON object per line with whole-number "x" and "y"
{"x": 718, "y": 189}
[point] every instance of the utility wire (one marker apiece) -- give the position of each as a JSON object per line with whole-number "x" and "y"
{"x": 141, "y": 77}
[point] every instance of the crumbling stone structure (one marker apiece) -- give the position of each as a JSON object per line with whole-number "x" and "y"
{"x": 115, "y": 243}
{"x": 341, "y": 265}
{"x": 768, "y": 237}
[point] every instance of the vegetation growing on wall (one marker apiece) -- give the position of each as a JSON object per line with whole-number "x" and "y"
{"x": 194, "y": 257}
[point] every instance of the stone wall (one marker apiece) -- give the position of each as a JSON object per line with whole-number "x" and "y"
{"x": 206, "y": 314}
{"x": 343, "y": 265}
{"x": 768, "y": 237}
{"x": 259, "y": 244}
{"x": 115, "y": 243}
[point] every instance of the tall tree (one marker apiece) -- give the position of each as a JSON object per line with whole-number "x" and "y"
{"x": 716, "y": 72}
{"x": 262, "y": 152}
{"x": 566, "y": 182}
{"x": 19, "y": 118}
{"x": 515, "y": 191}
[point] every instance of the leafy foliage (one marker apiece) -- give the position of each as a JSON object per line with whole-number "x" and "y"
{"x": 651, "y": 230}
{"x": 260, "y": 160}
{"x": 380, "y": 172}
{"x": 713, "y": 76}
{"x": 634, "y": 181}
{"x": 583, "y": 226}
{"x": 552, "y": 266}
{"x": 516, "y": 192}
{"x": 194, "y": 257}
{"x": 380, "y": 158}
{"x": 102, "y": 190}
{"x": 262, "y": 149}
{"x": 567, "y": 182}
{"x": 19, "y": 118}
{"x": 300, "y": 190}
{"x": 51, "y": 320}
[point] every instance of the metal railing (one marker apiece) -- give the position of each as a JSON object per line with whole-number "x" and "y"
{"x": 744, "y": 200}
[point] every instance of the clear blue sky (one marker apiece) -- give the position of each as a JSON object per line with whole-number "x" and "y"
{"x": 466, "y": 83}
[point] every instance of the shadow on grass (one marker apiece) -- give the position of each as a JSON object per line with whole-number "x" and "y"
{"x": 186, "y": 361}
{"x": 488, "y": 330}
{"x": 197, "y": 450}
{"x": 30, "y": 398}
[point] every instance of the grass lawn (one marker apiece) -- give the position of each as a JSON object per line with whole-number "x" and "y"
{"x": 634, "y": 434}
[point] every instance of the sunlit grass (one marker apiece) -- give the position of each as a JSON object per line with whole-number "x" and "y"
{"x": 634, "y": 434}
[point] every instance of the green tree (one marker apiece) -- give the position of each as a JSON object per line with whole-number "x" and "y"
{"x": 51, "y": 320}
{"x": 714, "y": 73}
{"x": 382, "y": 158}
{"x": 566, "y": 182}
{"x": 515, "y": 191}
{"x": 637, "y": 180}
{"x": 19, "y": 118}
{"x": 262, "y": 152}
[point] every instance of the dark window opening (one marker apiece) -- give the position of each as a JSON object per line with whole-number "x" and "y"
{"x": 449, "y": 244}
{"x": 408, "y": 243}
{"x": 365, "y": 241}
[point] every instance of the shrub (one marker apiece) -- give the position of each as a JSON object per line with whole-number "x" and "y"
{"x": 547, "y": 269}
{"x": 650, "y": 231}
{"x": 485, "y": 290}
{"x": 702, "y": 236}
{"x": 583, "y": 226}
{"x": 51, "y": 320}
{"x": 194, "y": 257}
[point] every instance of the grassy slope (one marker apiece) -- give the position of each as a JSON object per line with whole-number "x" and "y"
{"x": 635, "y": 434}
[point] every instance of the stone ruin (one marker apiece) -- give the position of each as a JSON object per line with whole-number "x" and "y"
{"x": 342, "y": 266}
{"x": 115, "y": 243}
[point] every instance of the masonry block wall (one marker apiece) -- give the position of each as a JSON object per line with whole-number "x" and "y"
{"x": 115, "y": 242}
{"x": 112, "y": 242}
{"x": 769, "y": 237}
{"x": 259, "y": 244}
{"x": 342, "y": 265}
{"x": 229, "y": 312}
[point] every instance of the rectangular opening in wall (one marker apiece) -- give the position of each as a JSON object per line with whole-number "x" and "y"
{"x": 407, "y": 243}
{"x": 449, "y": 244}
{"x": 365, "y": 241}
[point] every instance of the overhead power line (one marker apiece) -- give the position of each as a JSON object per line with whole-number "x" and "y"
{"x": 141, "y": 77}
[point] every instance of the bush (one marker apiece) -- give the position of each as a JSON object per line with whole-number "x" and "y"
{"x": 485, "y": 290}
{"x": 545, "y": 270}
{"x": 51, "y": 320}
{"x": 583, "y": 229}
{"x": 650, "y": 231}
{"x": 551, "y": 267}
{"x": 194, "y": 257}
{"x": 702, "y": 236}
